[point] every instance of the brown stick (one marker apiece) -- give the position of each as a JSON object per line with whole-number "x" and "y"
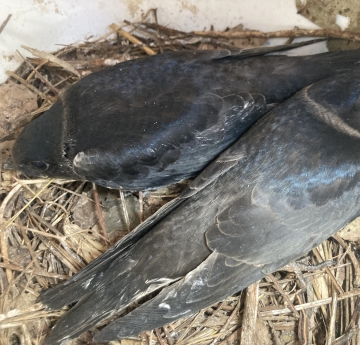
{"x": 353, "y": 259}
{"x": 126, "y": 214}
{"x": 346, "y": 35}
{"x": 158, "y": 335}
{"x": 56, "y": 92}
{"x": 353, "y": 327}
{"x": 99, "y": 212}
{"x": 2, "y": 27}
{"x": 53, "y": 58}
{"x": 208, "y": 320}
{"x": 331, "y": 276}
{"x": 227, "y": 323}
{"x": 3, "y": 230}
{"x": 278, "y": 287}
{"x": 32, "y": 254}
{"x": 141, "y": 206}
{"x": 250, "y": 315}
{"x": 271, "y": 311}
{"x": 29, "y": 86}
{"x": 5, "y": 253}
{"x": 36, "y": 272}
{"x": 132, "y": 39}
{"x": 331, "y": 332}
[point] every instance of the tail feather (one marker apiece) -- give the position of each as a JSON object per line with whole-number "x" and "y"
{"x": 108, "y": 299}
{"x": 90, "y": 276}
{"x": 182, "y": 299}
{"x": 190, "y": 294}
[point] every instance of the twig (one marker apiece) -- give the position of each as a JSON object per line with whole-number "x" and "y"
{"x": 60, "y": 237}
{"x": 32, "y": 254}
{"x": 353, "y": 258}
{"x": 29, "y": 86}
{"x": 5, "y": 252}
{"x": 2, "y": 27}
{"x": 158, "y": 335}
{"x": 37, "y": 272}
{"x": 126, "y": 215}
{"x": 345, "y": 338}
{"x": 303, "y": 329}
{"x": 44, "y": 62}
{"x": 99, "y": 212}
{"x": 165, "y": 30}
{"x": 331, "y": 331}
{"x": 353, "y": 327}
{"x": 46, "y": 82}
{"x": 25, "y": 186}
{"x": 64, "y": 252}
{"x": 331, "y": 276}
{"x": 273, "y": 330}
{"x": 318, "y": 296}
{"x": 188, "y": 328}
{"x": 232, "y": 315}
{"x": 4, "y": 225}
{"x": 168, "y": 336}
{"x": 3, "y": 230}
{"x": 7, "y": 199}
{"x": 19, "y": 320}
{"x": 201, "y": 339}
{"x": 321, "y": 265}
{"x": 182, "y": 337}
{"x": 152, "y": 11}
{"x": 132, "y": 39}
{"x": 141, "y": 206}
{"x": 277, "y": 286}
{"x": 266, "y": 311}
{"x": 346, "y": 35}
{"x": 50, "y": 57}
{"x": 26, "y": 334}
{"x": 250, "y": 315}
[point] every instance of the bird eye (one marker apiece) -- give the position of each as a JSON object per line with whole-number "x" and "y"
{"x": 38, "y": 165}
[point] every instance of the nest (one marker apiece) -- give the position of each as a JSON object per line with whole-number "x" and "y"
{"x": 51, "y": 229}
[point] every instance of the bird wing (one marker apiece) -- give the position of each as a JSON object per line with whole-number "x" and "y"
{"x": 202, "y": 116}
{"x": 254, "y": 236}
{"x": 196, "y": 127}
{"x": 73, "y": 289}
{"x": 297, "y": 190}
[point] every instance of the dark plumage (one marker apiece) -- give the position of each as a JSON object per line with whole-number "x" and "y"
{"x": 154, "y": 121}
{"x": 289, "y": 183}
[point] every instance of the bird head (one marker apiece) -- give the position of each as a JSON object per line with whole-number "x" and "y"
{"x": 38, "y": 151}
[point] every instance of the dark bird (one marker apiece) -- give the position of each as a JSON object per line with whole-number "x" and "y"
{"x": 154, "y": 121}
{"x": 285, "y": 186}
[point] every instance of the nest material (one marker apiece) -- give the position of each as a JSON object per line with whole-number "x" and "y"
{"x": 51, "y": 229}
